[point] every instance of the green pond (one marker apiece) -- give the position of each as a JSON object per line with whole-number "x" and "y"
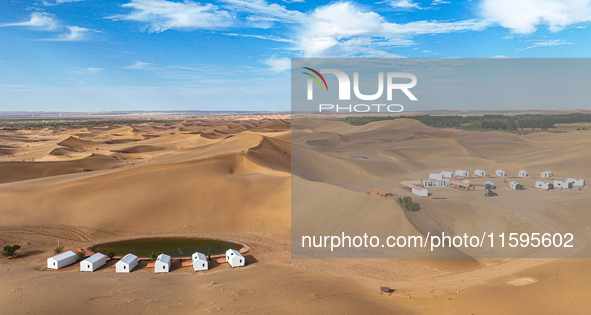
{"x": 169, "y": 246}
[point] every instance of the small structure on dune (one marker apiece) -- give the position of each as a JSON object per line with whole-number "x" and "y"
{"x": 61, "y": 260}
{"x": 562, "y": 184}
{"x": 415, "y": 188}
{"x": 544, "y": 185}
{"x": 199, "y": 262}
{"x": 381, "y": 192}
{"x": 234, "y": 258}
{"x": 461, "y": 173}
{"x": 436, "y": 176}
{"x": 126, "y": 264}
{"x": 465, "y": 181}
{"x": 479, "y": 172}
{"x": 576, "y": 181}
{"x": 516, "y": 186}
{"x": 93, "y": 262}
{"x": 162, "y": 264}
{"x": 500, "y": 173}
{"x": 522, "y": 173}
{"x": 489, "y": 185}
{"x": 436, "y": 183}
{"x": 446, "y": 174}
{"x": 546, "y": 174}
{"x": 461, "y": 185}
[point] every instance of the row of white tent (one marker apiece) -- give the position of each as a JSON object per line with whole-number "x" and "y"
{"x": 478, "y": 172}
{"x": 461, "y": 173}
{"x": 130, "y": 261}
{"x": 569, "y": 183}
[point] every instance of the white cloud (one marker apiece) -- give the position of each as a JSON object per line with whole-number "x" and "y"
{"x": 57, "y": 2}
{"x": 44, "y": 22}
{"x": 439, "y": 2}
{"x": 265, "y": 9}
{"x": 341, "y": 29}
{"x": 278, "y": 64}
{"x": 266, "y": 37}
{"x": 38, "y": 20}
{"x": 525, "y": 16}
{"x": 138, "y": 65}
{"x": 92, "y": 70}
{"x": 546, "y": 43}
{"x": 404, "y": 4}
{"x": 161, "y": 15}
{"x": 74, "y": 34}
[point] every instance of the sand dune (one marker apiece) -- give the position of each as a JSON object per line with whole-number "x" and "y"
{"x": 231, "y": 178}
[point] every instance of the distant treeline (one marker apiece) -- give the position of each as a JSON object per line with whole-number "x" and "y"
{"x": 486, "y": 122}
{"x": 28, "y": 124}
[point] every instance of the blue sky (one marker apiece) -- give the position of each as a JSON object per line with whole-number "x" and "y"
{"x": 90, "y": 55}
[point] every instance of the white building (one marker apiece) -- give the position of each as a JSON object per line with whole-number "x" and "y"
{"x": 234, "y": 258}
{"x": 61, "y": 260}
{"x": 126, "y": 264}
{"x": 93, "y": 262}
{"x": 199, "y": 262}
{"x": 544, "y": 185}
{"x": 576, "y": 181}
{"x": 446, "y": 174}
{"x": 489, "y": 185}
{"x": 500, "y": 172}
{"x": 421, "y": 192}
{"x": 546, "y": 174}
{"x": 436, "y": 183}
{"x": 479, "y": 172}
{"x": 522, "y": 173}
{"x": 562, "y": 184}
{"x": 516, "y": 186}
{"x": 162, "y": 263}
{"x": 436, "y": 176}
{"x": 461, "y": 173}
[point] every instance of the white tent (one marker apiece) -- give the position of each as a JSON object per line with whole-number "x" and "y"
{"x": 489, "y": 185}
{"x": 199, "y": 262}
{"x": 576, "y": 181}
{"x": 436, "y": 176}
{"x": 522, "y": 173}
{"x": 544, "y": 185}
{"x": 436, "y": 183}
{"x": 562, "y": 184}
{"x": 419, "y": 191}
{"x": 461, "y": 173}
{"x": 234, "y": 258}
{"x": 93, "y": 262}
{"x": 516, "y": 186}
{"x": 500, "y": 172}
{"x": 61, "y": 260}
{"x": 446, "y": 174}
{"x": 162, "y": 263}
{"x": 126, "y": 264}
{"x": 546, "y": 174}
{"x": 479, "y": 172}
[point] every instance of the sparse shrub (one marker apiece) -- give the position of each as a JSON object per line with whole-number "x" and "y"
{"x": 111, "y": 254}
{"x": 58, "y": 249}
{"x": 407, "y": 203}
{"x": 153, "y": 256}
{"x": 10, "y": 250}
{"x": 180, "y": 254}
{"x": 80, "y": 255}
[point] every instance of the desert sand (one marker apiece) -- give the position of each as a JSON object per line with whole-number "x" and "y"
{"x": 230, "y": 178}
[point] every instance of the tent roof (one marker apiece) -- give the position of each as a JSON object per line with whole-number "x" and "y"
{"x": 128, "y": 259}
{"x": 94, "y": 258}
{"x": 65, "y": 255}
